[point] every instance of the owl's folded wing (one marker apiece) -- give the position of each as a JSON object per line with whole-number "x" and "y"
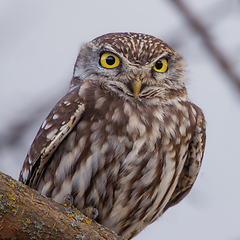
{"x": 192, "y": 165}
{"x": 60, "y": 121}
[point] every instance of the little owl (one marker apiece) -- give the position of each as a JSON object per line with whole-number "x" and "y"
{"x": 125, "y": 140}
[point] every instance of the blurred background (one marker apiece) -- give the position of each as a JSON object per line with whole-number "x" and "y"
{"x": 39, "y": 42}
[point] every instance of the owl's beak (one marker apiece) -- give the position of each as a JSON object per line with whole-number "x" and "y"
{"x": 136, "y": 86}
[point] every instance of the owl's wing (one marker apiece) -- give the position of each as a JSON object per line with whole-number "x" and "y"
{"x": 60, "y": 121}
{"x": 193, "y": 162}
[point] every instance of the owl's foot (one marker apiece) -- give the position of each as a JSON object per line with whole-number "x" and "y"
{"x": 68, "y": 200}
{"x": 91, "y": 212}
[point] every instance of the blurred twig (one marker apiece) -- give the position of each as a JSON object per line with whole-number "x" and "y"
{"x": 202, "y": 31}
{"x": 15, "y": 132}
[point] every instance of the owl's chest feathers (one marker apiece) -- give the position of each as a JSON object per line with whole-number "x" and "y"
{"x": 118, "y": 120}
{"x": 135, "y": 147}
{"x": 124, "y": 145}
{"x": 131, "y": 131}
{"x": 134, "y": 117}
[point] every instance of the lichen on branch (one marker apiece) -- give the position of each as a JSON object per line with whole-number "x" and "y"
{"x": 26, "y": 214}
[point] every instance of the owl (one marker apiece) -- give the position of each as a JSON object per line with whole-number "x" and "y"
{"x": 125, "y": 140}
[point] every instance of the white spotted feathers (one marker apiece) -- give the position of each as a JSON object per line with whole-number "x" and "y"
{"x": 53, "y": 130}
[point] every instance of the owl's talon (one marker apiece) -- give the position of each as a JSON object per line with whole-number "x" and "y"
{"x": 95, "y": 212}
{"x": 91, "y": 212}
{"x": 68, "y": 200}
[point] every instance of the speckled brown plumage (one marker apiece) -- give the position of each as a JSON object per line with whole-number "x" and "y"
{"x": 129, "y": 154}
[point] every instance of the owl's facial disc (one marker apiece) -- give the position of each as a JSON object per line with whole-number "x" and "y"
{"x": 136, "y": 73}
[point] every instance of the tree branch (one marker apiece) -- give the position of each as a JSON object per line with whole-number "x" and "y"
{"x": 202, "y": 31}
{"x": 26, "y": 214}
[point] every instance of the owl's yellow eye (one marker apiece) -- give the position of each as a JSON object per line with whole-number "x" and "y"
{"x": 161, "y": 65}
{"x": 109, "y": 60}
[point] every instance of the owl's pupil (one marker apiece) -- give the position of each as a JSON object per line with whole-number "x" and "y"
{"x": 158, "y": 65}
{"x": 110, "y": 60}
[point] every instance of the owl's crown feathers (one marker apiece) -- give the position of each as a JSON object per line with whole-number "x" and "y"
{"x": 138, "y": 48}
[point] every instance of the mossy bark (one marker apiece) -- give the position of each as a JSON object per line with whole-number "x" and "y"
{"x": 26, "y": 214}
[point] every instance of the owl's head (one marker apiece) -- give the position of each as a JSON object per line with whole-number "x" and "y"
{"x": 136, "y": 65}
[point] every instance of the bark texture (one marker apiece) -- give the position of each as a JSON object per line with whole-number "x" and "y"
{"x": 25, "y": 214}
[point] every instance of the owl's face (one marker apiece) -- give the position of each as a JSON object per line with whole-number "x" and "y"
{"x": 134, "y": 65}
